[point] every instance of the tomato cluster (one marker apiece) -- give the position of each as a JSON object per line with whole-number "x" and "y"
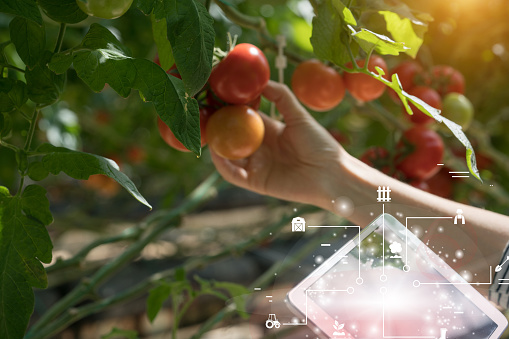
{"x": 229, "y": 120}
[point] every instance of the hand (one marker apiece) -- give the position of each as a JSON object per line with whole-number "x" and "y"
{"x": 296, "y": 159}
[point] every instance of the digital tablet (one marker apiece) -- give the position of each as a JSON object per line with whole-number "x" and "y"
{"x": 386, "y": 283}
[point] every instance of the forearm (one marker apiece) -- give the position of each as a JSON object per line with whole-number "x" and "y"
{"x": 359, "y": 182}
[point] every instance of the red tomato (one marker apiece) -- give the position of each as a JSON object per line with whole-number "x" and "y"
{"x": 419, "y": 152}
{"x": 429, "y": 96}
{"x": 170, "y": 138}
{"x": 340, "y": 137}
{"x": 241, "y": 76}
{"x": 317, "y": 86}
{"x": 214, "y": 102}
{"x": 235, "y": 132}
{"x": 407, "y": 71}
{"x": 441, "y": 183}
{"x": 362, "y": 86}
{"x": 447, "y": 80}
{"x": 377, "y": 157}
{"x": 136, "y": 154}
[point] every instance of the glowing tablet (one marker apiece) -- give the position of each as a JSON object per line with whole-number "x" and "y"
{"x": 408, "y": 293}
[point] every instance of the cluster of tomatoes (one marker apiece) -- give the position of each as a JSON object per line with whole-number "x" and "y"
{"x": 229, "y": 121}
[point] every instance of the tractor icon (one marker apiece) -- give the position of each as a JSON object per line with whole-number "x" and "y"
{"x": 272, "y": 322}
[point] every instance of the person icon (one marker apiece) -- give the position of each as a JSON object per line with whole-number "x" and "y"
{"x": 459, "y": 216}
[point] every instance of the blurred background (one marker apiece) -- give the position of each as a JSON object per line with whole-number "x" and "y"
{"x": 470, "y": 35}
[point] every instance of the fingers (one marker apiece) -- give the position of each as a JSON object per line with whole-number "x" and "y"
{"x": 285, "y": 101}
{"x": 237, "y": 175}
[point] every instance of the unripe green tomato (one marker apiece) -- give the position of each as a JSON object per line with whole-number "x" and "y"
{"x": 106, "y": 9}
{"x": 458, "y": 108}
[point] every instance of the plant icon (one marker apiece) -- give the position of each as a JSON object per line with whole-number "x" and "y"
{"x": 338, "y": 328}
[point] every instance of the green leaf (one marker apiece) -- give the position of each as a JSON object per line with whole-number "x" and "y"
{"x": 66, "y": 11}
{"x": 117, "y": 333}
{"x": 37, "y": 171}
{"x": 101, "y": 59}
{"x": 180, "y": 274}
{"x": 191, "y": 35}
{"x": 329, "y": 39}
{"x": 370, "y": 41}
{"x": 13, "y": 94}
{"x": 44, "y": 86}
{"x": 25, "y": 8}
{"x": 60, "y": 62}
{"x": 239, "y": 296}
{"x": 29, "y": 39}
{"x": 163, "y": 45}
{"x": 79, "y": 165}
{"x": 345, "y": 12}
{"x": 18, "y": 94}
{"x": 402, "y": 30}
{"x": 24, "y": 243}
{"x": 5, "y": 124}
{"x": 156, "y": 298}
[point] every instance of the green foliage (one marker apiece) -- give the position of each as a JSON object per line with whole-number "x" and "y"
{"x": 25, "y": 8}
{"x": 371, "y": 41}
{"x": 43, "y": 85}
{"x": 29, "y": 39}
{"x": 102, "y": 59}
{"x": 117, "y": 333}
{"x": 402, "y": 29}
{"x": 190, "y": 33}
{"x": 79, "y": 165}
{"x": 13, "y": 94}
{"x": 163, "y": 45}
{"x": 156, "y": 298}
{"x": 66, "y": 11}
{"x": 24, "y": 243}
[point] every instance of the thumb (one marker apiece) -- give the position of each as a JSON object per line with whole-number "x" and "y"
{"x": 286, "y": 102}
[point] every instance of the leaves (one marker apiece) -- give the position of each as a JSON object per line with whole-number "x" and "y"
{"x": 29, "y": 39}
{"x": 25, "y": 8}
{"x": 329, "y": 39}
{"x": 156, "y": 298}
{"x": 80, "y": 165}
{"x": 345, "y": 12}
{"x": 163, "y": 45}
{"x": 13, "y": 94}
{"x": 66, "y": 11}
{"x": 191, "y": 35}
{"x": 370, "y": 41}
{"x": 43, "y": 85}
{"x": 402, "y": 29}
{"x": 102, "y": 59}
{"x": 24, "y": 243}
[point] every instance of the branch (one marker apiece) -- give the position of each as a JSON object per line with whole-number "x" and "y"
{"x": 203, "y": 192}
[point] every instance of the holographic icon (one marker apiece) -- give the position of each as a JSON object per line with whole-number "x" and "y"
{"x": 396, "y": 249}
{"x": 272, "y": 322}
{"x": 383, "y": 194}
{"x": 459, "y": 216}
{"x": 443, "y": 333}
{"x": 338, "y": 329}
{"x": 499, "y": 267}
{"x": 298, "y": 224}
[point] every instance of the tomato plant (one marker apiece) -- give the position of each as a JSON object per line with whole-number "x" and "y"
{"x": 241, "y": 76}
{"x": 379, "y": 158}
{"x": 407, "y": 72}
{"x": 317, "y": 86}
{"x": 447, "y": 80}
{"x": 459, "y": 109}
{"x": 362, "y": 86}
{"x": 106, "y": 9}
{"x": 429, "y": 96}
{"x": 170, "y": 138}
{"x": 235, "y": 132}
{"x": 420, "y": 150}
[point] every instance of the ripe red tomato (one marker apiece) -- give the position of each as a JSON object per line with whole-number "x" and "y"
{"x": 241, "y": 76}
{"x": 441, "y": 183}
{"x": 172, "y": 140}
{"x": 317, "y": 86}
{"x": 377, "y": 157}
{"x": 447, "y": 80}
{"x": 214, "y": 102}
{"x": 407, "y": 72}
{"x": 235, "y": 132}
{"x": 363, "y": 87}
{"x": 419, "y": 152}
{"x": 429, "y": 96}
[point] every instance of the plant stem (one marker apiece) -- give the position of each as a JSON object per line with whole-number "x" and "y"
{"x": 60, "y": 38}
{"x": 13, "y": 67}
{"x": 28, "y": 144}
{"x": 10, "y": 146}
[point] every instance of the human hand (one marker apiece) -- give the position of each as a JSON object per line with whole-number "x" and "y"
{"x": 296, "y": 159}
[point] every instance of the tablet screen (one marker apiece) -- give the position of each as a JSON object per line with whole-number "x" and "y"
{"x": 408, "y": 293}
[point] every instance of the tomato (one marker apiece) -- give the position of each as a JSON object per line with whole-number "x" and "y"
{"x": 362, "y": 86}
{"x": 214, "y": 102}
{"x": 429, "y": 96}
{"x": 458, "y": 108}
{"x": 419, "y": 152}
{"x": 106, "y": 9}
{"x": 340, "y": 137}
{"x": 172, "y": 140}
{"x": 377, "y": 157}
{"x": 441, "y": 183}
{"x": 241, "y": 76}
{"x": 103, "y": 185}
{"x": 407, "y": 72}
{"x": 447, "y": 80}
{"x": 318, "y": 86}
{"x": 235, "y": 132}
{"x": 136, "y": 154}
